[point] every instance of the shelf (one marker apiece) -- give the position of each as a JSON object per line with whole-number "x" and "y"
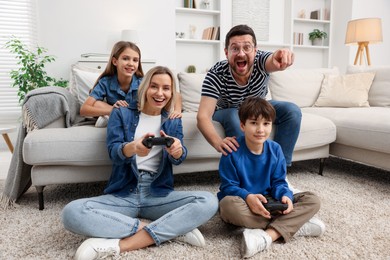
{"x": 196, "y": 11}
{"x": 192, "y": 23}
{"x": 311, "y": 47}
{"x": 195, "y": 41}
{"x": 272, "y": 44}
{"x": 300, "y": 20}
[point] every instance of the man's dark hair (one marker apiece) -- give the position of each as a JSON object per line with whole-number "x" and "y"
{"x": 254, "y": 107}
{"x": 239, "y": 30}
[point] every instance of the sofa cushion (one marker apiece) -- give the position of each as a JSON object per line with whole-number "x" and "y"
{"x": 79, "y": 145}
{"x": 300, "y": 86}
{"x": 190, "y": 85}
{"x": 360, "y": 127}
{"x": 379, "y": 94}
{"x": 315, "y": 131}
{"x": 345, "y": 90}
{"x": 194, "y": 139}
{"x": 82, "y": 79}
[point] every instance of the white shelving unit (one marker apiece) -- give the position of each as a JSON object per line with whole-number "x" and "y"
{"x": 319, "y": 56}
{"x": 306, "y": 55}
{"x": 192, "y": 49}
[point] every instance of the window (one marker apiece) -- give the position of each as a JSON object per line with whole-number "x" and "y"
{"x": 18, "y": 18}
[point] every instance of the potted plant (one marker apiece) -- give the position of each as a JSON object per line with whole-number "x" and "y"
{"x": 31, "y": 73}
{"x": 317, "y": 36}
{"x": 191, "y": 69}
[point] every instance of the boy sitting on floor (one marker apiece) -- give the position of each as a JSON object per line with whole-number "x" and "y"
{"x": 258, "y": 169}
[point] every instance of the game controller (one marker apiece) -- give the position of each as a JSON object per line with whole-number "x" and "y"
{"x": 274, "y": 206}
{"x": 150, "y": 141}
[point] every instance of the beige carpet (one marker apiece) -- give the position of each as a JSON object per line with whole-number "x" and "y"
{"x": 355, "y": 208}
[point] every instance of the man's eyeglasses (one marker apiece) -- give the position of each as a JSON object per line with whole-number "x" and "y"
{"x": 247, "y": 48}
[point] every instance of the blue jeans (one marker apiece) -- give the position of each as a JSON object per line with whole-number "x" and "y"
{"x": 109, "y": 216}
{"x": 287, "y": 122}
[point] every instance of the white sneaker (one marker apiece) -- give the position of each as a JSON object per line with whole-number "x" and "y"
{"x": 98, "y": 248}
{"x": 313, "y": 228}
{"x": 102, "y": 121}
{"x": 194, "y": 238}
{"x": 254, "y": 241}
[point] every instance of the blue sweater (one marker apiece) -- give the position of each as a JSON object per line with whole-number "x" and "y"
{"x": 243, "y": 173}
{"x": 120, "y": 131}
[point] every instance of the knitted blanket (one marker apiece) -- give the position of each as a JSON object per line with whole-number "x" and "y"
{"x": 40, "y": 108}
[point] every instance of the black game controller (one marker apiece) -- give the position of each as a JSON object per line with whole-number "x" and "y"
{"x": 274, "y": 206}
{"x": 150, "y": 141}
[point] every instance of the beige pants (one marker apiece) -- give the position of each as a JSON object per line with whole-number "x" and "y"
{"x": 234, "y": 210}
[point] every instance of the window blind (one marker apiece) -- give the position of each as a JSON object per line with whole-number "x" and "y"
{"x": 17, "y": 18}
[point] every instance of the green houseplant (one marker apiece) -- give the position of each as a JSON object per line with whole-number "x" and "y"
{"x": 191, "y": 69}
{"x": 31, "y": 73}
{"x": 317, "y": 36}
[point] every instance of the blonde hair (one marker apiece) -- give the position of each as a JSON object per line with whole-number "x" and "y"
{"x": 142, "y": 89}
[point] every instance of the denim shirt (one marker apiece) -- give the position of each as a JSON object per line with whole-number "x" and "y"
{"x": 108, "y": 88}
{"x": 120, "y": 131}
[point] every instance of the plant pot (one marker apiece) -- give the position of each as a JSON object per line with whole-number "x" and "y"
{"x": 317, "y": 42}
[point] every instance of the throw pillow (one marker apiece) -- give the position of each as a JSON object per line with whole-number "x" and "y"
{"x": 82, "y": 79}
{"x": 190, "y": 85}
{"x": 379, "y": 94}
{"x": 349, "y": 90}
{"x": 300, "y": 86}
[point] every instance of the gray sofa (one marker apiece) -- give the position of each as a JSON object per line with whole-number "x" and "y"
{"x": 78, "y": 154}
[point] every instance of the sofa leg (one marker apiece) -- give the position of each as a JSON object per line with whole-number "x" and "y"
{"x": 40, "y": 196}
{"x": 322, "y": 164}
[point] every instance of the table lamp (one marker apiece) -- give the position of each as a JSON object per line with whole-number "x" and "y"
{"x": 130, "y": 36}
{"x": 363, "y": 32}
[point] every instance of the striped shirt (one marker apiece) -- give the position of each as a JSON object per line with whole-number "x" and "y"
{"x": 220, "y": 84}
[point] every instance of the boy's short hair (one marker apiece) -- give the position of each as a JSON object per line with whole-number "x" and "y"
{"x": 254, "y": 107}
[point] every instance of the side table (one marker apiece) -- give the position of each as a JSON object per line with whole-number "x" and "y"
{"x": 4, "y": 132}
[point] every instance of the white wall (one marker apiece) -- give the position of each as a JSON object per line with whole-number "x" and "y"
{"x": 69, "y": 28}
{"x": 342, "y": 13}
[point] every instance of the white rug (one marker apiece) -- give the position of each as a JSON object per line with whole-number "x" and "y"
{"x": 355, "y": 208}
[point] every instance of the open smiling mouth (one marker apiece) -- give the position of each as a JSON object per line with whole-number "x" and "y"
{"x": 241, "y": 64}
{"x": 159, "y": 100}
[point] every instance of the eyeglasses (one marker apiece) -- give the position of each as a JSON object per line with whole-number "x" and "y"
{"x": 247, "y": 48}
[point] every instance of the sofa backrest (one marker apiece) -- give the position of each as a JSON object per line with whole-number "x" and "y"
{"x": 379, "y": 94}
{"x": 190, "y": 85}
{"x": 300, "y": 86}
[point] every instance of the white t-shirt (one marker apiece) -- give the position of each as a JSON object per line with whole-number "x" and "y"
{"x": 149, "y": 124}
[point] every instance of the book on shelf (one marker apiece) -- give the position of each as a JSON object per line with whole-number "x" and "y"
{"x": 189, "y": 3}
{"x": 320, "y": 14}
{"x": 325, "y": 14}
{"x": 315, "y": 15}
{"x": 298, "y": 38}
{"x": 211, "y": 33}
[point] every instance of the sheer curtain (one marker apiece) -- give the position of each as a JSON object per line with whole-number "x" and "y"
{"x": 17, "y": 18}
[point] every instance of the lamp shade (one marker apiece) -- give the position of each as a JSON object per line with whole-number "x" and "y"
{"x": 364, "y": 30}
{"x": 130, "y": 36}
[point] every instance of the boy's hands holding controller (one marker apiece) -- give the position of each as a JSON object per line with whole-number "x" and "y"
{"x": 255, "y": 203}
{"x": 287, "y": 200}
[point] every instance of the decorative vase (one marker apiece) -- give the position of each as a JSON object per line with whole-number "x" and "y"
{"x": 317, "y": 42}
